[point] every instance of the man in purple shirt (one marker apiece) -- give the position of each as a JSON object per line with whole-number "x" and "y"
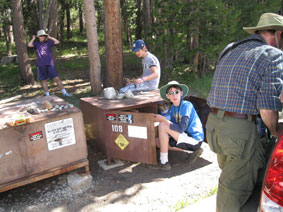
{"x": 45, "y": 64}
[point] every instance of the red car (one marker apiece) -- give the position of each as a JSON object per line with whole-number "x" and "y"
{"x": 272, "y": 188}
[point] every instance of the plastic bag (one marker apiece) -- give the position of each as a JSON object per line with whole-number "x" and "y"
{"x": 109, "y": 93}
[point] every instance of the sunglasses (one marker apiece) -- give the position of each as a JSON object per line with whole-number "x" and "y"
{"x": 173, "y": 92}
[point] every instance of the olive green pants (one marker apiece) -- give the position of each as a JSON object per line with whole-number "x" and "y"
{"x": 239, "y": 154}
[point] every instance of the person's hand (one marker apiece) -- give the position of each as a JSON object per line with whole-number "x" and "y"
{"x": 159, "y": 118}
{"x": 33, "y": 37}
{"x": 279, "y": 130}
{"x": 281, "y": 96}
{"x": 138, "y": 81}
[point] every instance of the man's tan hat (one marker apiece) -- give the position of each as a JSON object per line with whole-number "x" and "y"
{"x": 41, "y": 32}
{"x": 267, "y": 21}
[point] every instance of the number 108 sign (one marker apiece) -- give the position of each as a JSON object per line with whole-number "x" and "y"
{"x": 117, "y": 128}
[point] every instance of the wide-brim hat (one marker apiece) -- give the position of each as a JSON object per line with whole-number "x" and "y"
{"x": 41, "y": 32}
{"x": 267, "y": 21}
{"x": 163, "y": 89}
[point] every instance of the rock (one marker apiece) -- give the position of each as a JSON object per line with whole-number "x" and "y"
{"x": 79, "y": 183}
{"x": 9, "y": 59}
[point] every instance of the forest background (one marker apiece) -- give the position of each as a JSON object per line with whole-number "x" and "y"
{"x": 186, "y": 35}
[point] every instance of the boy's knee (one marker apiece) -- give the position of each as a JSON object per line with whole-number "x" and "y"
{"x": 163, "y": 127}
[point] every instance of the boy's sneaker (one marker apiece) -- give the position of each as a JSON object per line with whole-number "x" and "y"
{"x": 194, "y": 156}
{"x": 67, "y": 94}
{"x": 160, "y": 166}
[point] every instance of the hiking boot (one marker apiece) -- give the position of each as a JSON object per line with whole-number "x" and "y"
{"x": 160, "y": 166}
{"x": 193, "y": 157}
{"x": 67, "y": 94}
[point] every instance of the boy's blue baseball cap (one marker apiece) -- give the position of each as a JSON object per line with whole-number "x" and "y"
{"x": 138, "y": 44}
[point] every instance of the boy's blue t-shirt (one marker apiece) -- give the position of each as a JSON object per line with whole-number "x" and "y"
{"x": 186, "y": 108}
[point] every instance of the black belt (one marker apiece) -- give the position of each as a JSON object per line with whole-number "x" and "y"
{"x": 235, "y": 115}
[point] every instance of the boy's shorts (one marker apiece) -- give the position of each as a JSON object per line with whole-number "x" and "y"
{"x": 45, "y": 72}
{"x": 185, "y": 142}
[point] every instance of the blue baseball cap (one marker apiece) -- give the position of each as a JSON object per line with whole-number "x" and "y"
{"x": 138, "y": 44}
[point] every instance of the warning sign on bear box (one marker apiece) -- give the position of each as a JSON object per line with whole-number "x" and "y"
{"x": 60, "y": 134}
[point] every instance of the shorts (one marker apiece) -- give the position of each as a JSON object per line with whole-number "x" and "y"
{"x": 185, "y": 142}
{"x": 45, "y": 72}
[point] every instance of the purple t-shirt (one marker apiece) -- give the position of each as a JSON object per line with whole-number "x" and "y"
{"x": 44, "y": 52}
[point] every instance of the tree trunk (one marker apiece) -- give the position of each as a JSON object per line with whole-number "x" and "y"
{"x": 139, "y": 20}
{"x": 7, "y": 40}
{"x": 7, "y": 30}
{"x": 53, "y": 19}
{"x": 39, "y": 4}
{"x": 11, "y": 35}
{"x": 61, "y": 21}
{"x": 113, "y": 44}
{"x": 46, "y": 18}
{"x": 81, "y": 19}
{"x": 21, "y": 47}
{"x": 196, "y": 46}
{"x": 125, "y": 24}
{"x": 69, "y": 27}
{"x": 147, "y": 19}
{"x": 93, "y": 48}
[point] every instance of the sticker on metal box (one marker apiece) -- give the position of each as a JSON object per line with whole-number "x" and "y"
{"x": 126, "y": 118}
{"x": 35, "y": 136}
{"x": 110, "y": 117}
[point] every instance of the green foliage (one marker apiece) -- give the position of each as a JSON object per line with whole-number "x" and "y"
{"x": 249, "y": 13}
{"x": 184, "y": 203}
{"x": 9, "y": 74}
{"x": 77, "y": 63}
{"x": 30, "y": 17}
{"x": 10, "y": 80}
{"x": 217, "y": 26}
{"x": 176, "y": 23}
{"x": 183, "y": 74}
{"x": 129, "y": 15}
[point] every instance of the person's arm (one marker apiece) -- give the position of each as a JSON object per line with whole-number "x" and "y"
{"x": 160, "y": 118}
{"x": 30, "y": 44}
{"x": 56, "y": 42}
{"x": 270, "y": 119}
{"x": 181, "y": 126}
{"x": 152, "y": 76}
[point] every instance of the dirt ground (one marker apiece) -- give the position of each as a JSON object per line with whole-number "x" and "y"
{"x": 131, "y": 187}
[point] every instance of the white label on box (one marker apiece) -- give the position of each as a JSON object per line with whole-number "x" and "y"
{"x": 60, "y": 134}
{"x": 137, "y": 132}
